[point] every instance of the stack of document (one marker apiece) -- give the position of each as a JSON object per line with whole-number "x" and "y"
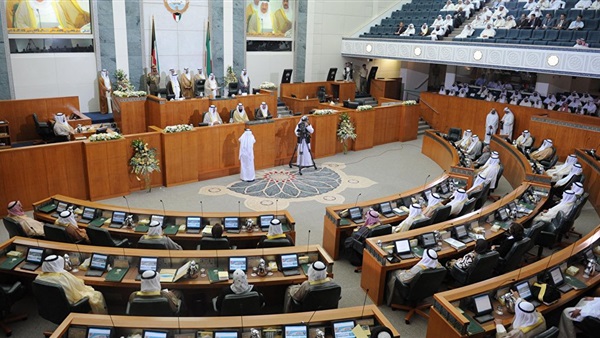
{"x": 458, "y": 245}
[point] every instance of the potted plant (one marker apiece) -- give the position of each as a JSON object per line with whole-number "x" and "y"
{"x": 345, "y": 130}
{"x": 144, "y": 162}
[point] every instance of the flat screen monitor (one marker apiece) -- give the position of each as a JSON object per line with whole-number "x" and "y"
{"x": 386, "y": 207}
{"x": 295, "y": 331}
{"x": 289, "y": 261}
{"x": 428, "y": 239}
{"x": 265, "y": 221}
{"x": 482, "y": 304}
{"x": 35, "y": 255}
{"x": 99, "y": 332}
{"x": 118, "y": 217}
{"x": 402, "y": 246}
{"x": 88, "y": 213}
{"x": 158, "y": 218}
{"x": 461, "y": 231}
{"x": 344, "y": 329}
{"x": 503, "y": 214}
{"x": 523, "y": 290}
{"x": 557, "y": 276}
{"x": 148, "y": 264}
{"x": 98, "y": 261}
{"x": 226, "y": 334}
{"x": 286, "y": 77}
{"x": 231, "y": 223}
{"x": 355, "y": 213}
{"x": 193, "y": 222}
{"x": 62, "y": 206}
{"x": 589, "y": 254}
{"x": 331, "y": 74}
{"x": 237, "y": 263}
{"x": 154, "y": 334}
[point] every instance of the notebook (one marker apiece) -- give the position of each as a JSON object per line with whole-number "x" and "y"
{"x": 231, "y": 224}
{"x": 88, "y": 215}
{"x": 62, "y": 206}
{"x": 48, "y": 208}
{"x": 10, "y": 263}
{"x": 265, "y": 221}
{"x": 98, "y": 264}
{"x": 193, "y": 225}
{"x": 558, "y": 279}
{"x": 483, "y": 308}
{"x": 524, "y": 291}
{"x": 460, "y": 234}
{"x": 403, "y": 250}
{"x": 344, "y": 329}
{"x": 103, "y": 332}
{"x": 289, "y": 264}
{"x": 173, "y": 275}
{"x": 356, "y": 214}
{"x": 116, "y": 275}
{"x": 159, "y": 218}
{"x": 237, "y": 263}
{"x": 386, "y": 209}
{"x": 35, "y": 257}
{"x": 118, "y": 219}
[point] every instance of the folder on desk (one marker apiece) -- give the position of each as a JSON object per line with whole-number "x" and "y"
{"x": 215, "y": 276}
{"x": 48, "y": 208}
{"x": 141, "y": 228}
{"x": 207, "y": 230}
{"x": 10, "y": 262}
{"x": 345, "y": 221}
{"x": 305, "y": 268}
{"x": 98, "y": 222}
{"x": 171, "y": 229}
{"x": 474, "y": 327}
{"x": 116, "y": 274}
{"x": 173, "y": 275}
{"x": 575, "y": 283}
{"x": 418, "y": 251}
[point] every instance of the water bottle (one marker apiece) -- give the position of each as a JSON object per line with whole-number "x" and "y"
{"x": 379, "y": 243}
{"x": 590, "y": 269}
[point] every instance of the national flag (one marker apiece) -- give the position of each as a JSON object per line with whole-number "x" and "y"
{"x": 207, "y": 54}
{"x": 154, "y": 51}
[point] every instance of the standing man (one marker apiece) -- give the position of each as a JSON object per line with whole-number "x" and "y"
{"x": 211, "y": 86}
{"x": 363, "y": 78}
{"x": 187, "y": 86}
{"x": 153, "y": 81}
{"x": 199, "y": 80}
{"x": 175, "y": 88}
{"x": 508, "y": 122}
{"x": 105, "y": 91}
{"x": 247, "y": 141}
{"x": 244, "y": 82}
{"x": 348, "y": 72}
{"x": 491, "y": 125}
{"x": 303, "y": 131}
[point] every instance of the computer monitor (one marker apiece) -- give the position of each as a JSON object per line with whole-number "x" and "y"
{"x": 286, "y": 77}
{"x": 158, "y": 218}
{"x": 295, "y": 331}
{"x": 35, "y": 255}
{"x": 154, "y": 334}
{"x": 289, "y": 261}
{"x": 461, "y": 231}
{"x": 503, "y": 214}
{"x": 556, "y": 275}
{"x": 231, "y": 223}
{"x": 524, "y": 290}
{"x": 118, "y": 217}
{"x": 331, "y": 74}
{"x": 385, "y": 207}
{"x": 428, "y": 240}
{"x": 226, "y": 334}
{"x": 88, "y": 213}
{"x": 344, "y": 329}
{"x": 148, "y": 264}
{"x": 237, "y": 263}
{"x": 265, "y": 221}
{"x": 355, "y": 213}
{"x": 62, "y": 206}
{"x": 98, "y": 262}
{"x": 482, "y": 304}
{"x": 402, "y": 246}
{"x": 99, "y": 332}
{"x": 193, "y": 223}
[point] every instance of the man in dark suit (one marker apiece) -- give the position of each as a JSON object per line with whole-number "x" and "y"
{"x": 532, "y": 23}
{"x": 548, "y": 22}
{"x": 562, "y": 23}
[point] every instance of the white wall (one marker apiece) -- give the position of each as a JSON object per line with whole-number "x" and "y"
{"x": 413, "y": 74}
{"x": 268, "y": 66}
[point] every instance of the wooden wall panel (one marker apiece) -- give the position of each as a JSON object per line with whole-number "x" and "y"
{"x": 107, "y": 168}
{"x": 130, "y": 114}
{"x": 408, "y": 125}
{"x": 388, "y": 88}
{"x": 364, "y": 124}
{"x": 264, "y": 148}
{"x": 387, "y": 120}
{"x": 566, "y": 137}
{"x": 250, "y": 102}
{"x": 180, "y": 157}
{"x": 209, "y": 152}
{"x": 591, "y": 170}
{"x": 230, "y": 146}
{"x": 323, "y": 141}
{"x": 285, "y": 139}
{"x": 154, "y": 141}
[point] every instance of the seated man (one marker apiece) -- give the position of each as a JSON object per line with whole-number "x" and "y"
{"x": 474, "y": 150}
{"x": 212, "y": 117}
{"x": 478, "y": 184}
{"x": 458, "y": 200}
{"x": 67, "y": 220}
{"x": 150, "y": 287}
{"x": 275, "y": 231}
{"x": 53, "y": 271}
{"x": 515, "y": 233}
{"x": 465, "y": 141}
{"x": 524, "y": 141}
{"x": 586, "y": 307}
{"x": 155, "y": 234}
{"x": 527, "y": 323}
{"x": 543, "y": 152}
{"x": 577, "y": 24}
{"x": 414, "y": 214}
{"x": 317, "y": 275}
{"x": 484, "y": 158}
{"x": 30, "y": 226}
{"x": 428, "y": 261}
{"x": 559, "y": 171}
{"x": 239, "y": 115}
{"x": 262, "y": 112}
{"x": 565, "y": 205}
{"x": 434, "y": 202}
{"x": 239, "y": 286}
{"x": 490, "y": 170}
{"x": 61, "y": 126}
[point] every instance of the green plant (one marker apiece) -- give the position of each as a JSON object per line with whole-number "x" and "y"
{"x": 230, "y": 76}
{"x": 143, "y": 162}
{"x": 345, "y": 130}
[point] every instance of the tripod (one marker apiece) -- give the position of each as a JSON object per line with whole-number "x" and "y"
{"x": 298, "y": 145}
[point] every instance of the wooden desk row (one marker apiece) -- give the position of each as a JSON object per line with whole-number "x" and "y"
{"x": 446, "y": 319}
{"x": 127, "y": 325}
{"x": 376, "y": 267}
{"x": 242, "y": 240}
{"x": 208, "y": 259}
{"x": 591, "y": 170}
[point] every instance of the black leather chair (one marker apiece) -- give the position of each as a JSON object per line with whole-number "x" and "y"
{"x": 551, "y": 162}
{"x": 150, "y": 306}
{"x": 13, "y": 228}
{"x": 577, "y": 211}
{"x": 380, "y": 230}
{"x": 423, "y": 222}
{"x": 210, "y": 243}
{"x": 481, "y": 196}
{"x": 151, "y": 244}
{"x": 53, "y": 304}
{"x": 425, "y": 283}
{"x": 10, "y": 294}
{"x": 514, "y": 257}
{"x": 102, "y": 237}
{"x": 557, "y": 191}
{"x": 57, "y": 233}
{"x": 319, "y": 297}
{"x": 454, "y": 134}
{"x": 552, "y": 332}
{"x": 233, "y": 88}
{"x": 275, "y": 243}
{"x": 467, "y": 207}
{"x": 533, "y": 233}
{"x": 482, "y": 268}
{"x": 243, "y": 304}
{"x": 551, "y": 234}
{"x": 441, "y": 214}
{"x": 498, "y": 176}
{"x": 590, "y": 326}
{"x": 43, "y": 129}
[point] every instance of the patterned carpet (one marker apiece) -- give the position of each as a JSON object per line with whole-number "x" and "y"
{"x": 283, "y": 186}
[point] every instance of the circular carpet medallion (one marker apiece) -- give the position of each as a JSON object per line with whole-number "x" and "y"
{"x": 284, "y": 185}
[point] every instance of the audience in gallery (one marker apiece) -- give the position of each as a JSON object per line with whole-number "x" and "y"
{"x": 67, "y": 219}
{"x": 150, "y": 287}
{"x": 515, "y": 233}
{"x": 30, "y": 226}
{"x": 463, "y": 263}
{"x": 527, "y": 322}
{"x": 155, "y": 234}
{"x": 239, "y": 286}
{"x": 317, "y": 275}
{"x": 428, "y": 261}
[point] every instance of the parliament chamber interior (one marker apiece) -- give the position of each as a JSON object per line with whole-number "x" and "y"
{"x": 293, "y": 168}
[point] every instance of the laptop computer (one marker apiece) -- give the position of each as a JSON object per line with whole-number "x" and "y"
{"x": 237, "y": 263}
{"x": 403, "y": 250}
{"x": 173, "y": 275}
{"x": 35, "y": 257}
{"x": 98, "y": 264}
{"x": 356, "y": 214}
{"x": 524, "y": 290}
{"x": 146, "y": 263}
{"x": 386, "y": 209}
{"x": 289, "y": 264}
{"x": 226, "y": 334}
{"x": 154, "y": 334}
{"x": 62, "y": 206}
{"x": 93, "y": 332}
{"x": 193, "y": 225}
{"x": 460, "y": 234}
{"x": 558, "y": 279}
{"x": 118, "y": 219}
{"x": 88, "y": 215}
{"x": 343, "y": 329}
{"x": 231, "y": 225}
{"x": 482, "y": 307}
{"x": 159, "y": 218}
{"x": 427, "y": 241}
{"x": 265, "y": 221}
{"x": 295, "y": 331}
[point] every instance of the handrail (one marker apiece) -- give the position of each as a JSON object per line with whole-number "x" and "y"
{"x": 430, "y": 107}
{"x": 422, "y": 83}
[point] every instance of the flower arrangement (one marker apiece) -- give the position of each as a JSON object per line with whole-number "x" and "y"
{"x": 409, "y": 103}
{"x": 124, "y": 86}
{"x": 105, "y": 137}
{"x": 345, "y": 130}
{"x": 267, "y": 85}
{"x": 230, "y": 77}
{"x": 364, "y": 107}
{"x": 324, "y": 112}
{"x": 143, "y": 162}
{"x": 178, "y": 128}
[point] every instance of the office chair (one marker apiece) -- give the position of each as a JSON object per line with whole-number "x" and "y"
{"x": 467, "y": 207}
{"x": 275, "y": 243}
{"x": 590, "y": 326}
{"x": 547, "y": 164}
{"x": 557, "y": 191}
{"x": 211, "y": 243}
{"x": 244, "y": 304}
{"x": 58, "y": 233}
{"x": 514, "y": 257}
{"x": 43, "y": 129}
{"x": 199, "y": 87}
{"x": 533, "y": 233}
{"x": 380, "y": 230}
{"x": 144, "y": 243}
{"x": 550, "y": 333}
{"x": 319, "y": 297}
{"x": 482, "y": 268}
{"x": 441, "y": 214}
{"x": 423, "y": 222}
{"x": 150, "y": 306}
{"x": 102, "y": 237}
{"x": 13, "y": 228}
{"x": 454, "y": 134}
{"x": 571, "y": 220}
{"x": 53, "y": 304}
{"x": 233, "y": 88}
{"x": 425, "y": 283}
{"x": 551, "y": 233}
{"x": 482, "y": 196}
{"x": 9, "y": 294}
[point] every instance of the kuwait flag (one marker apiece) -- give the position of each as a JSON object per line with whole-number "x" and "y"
{"x": 154, "y": 51}
{"x": 207, "y": 54}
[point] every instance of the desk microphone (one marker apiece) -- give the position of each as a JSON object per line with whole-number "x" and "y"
{"x": 127, "y": 202}
{"x": 311, "y": 317}
{"x": 239, "y": 211}
{"x": 201, "y": 209}
{"x": 163, "y": 205}
{"x": 276, "y": 204}
{"x": 308, "y": 242}
{"x": 362, "y": 313}
{"x": 356, "y": 202}
{"x": 426, "y": 178}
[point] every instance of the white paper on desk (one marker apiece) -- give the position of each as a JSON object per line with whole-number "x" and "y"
{"x": 359, "y": 332}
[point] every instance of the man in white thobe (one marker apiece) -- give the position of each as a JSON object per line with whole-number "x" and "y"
{"x": 565, "y": 205}
{"x": 105, "y": 91}
{"x": 491, "y": 125}
{"x": 61, "y": 126}
{"x": 212, "y": 117}
{"x": 175, "y": 83}
{"x": 244, "y": 82}
{"x": 508, "y": 122}
{"x": 587, "y": 307}
{"x": 247, "y": 141}
{"x": 211, "y": 86}
{"x": 304, "y": 156}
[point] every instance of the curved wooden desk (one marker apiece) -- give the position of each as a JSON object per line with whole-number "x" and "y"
{"x": 445, "y": 319}
{"x": 591, "y": 170}
{"x": 189, "y": 241}
{"x": 125, "y": 325}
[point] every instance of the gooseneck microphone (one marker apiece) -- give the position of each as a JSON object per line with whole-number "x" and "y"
{"x": 356, "y": 202}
